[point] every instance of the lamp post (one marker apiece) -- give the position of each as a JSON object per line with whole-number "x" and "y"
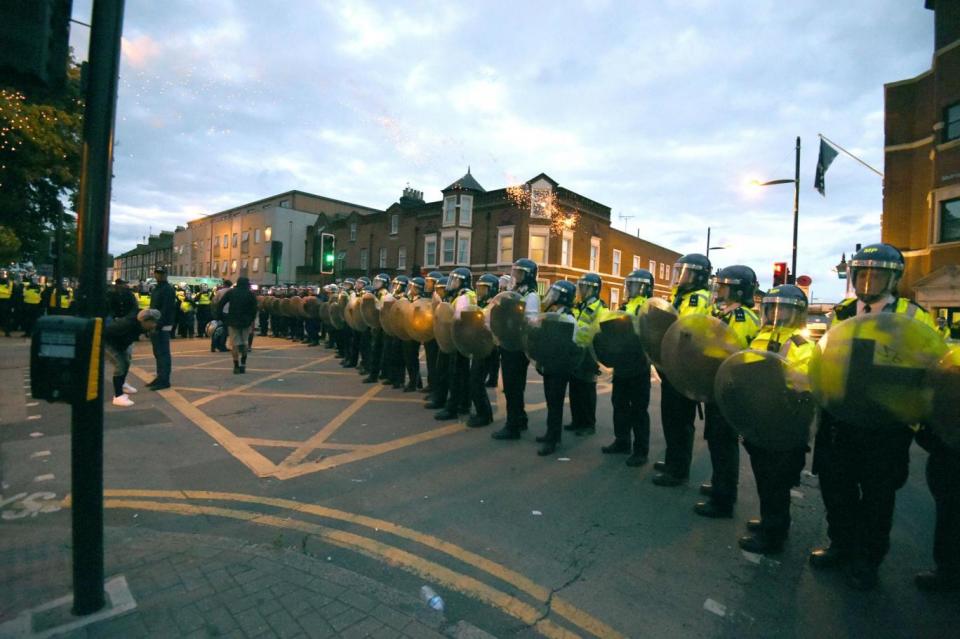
{"x": 791, "y": 278}
{"x": 712, "y": 248}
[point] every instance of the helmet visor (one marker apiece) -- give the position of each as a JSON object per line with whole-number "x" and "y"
{"x": 872, "y": 284}
{"x": 483, "y": 291}
{"x": 685, "y": 275}
{"x": 637, "y": 287}
{"x": 551, "y": 298}
{"x": 783, "y": 313}
{"x": 585, "y": 289}
{"x": 429, "y": 283}
{"x": 518, "y": 275}
{"x": 454, "y": 282}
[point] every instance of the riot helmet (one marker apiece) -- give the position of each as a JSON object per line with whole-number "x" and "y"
{"x": 348, "y": 284}
{"x": 588, "y": 287}
{"x": 362, "y": 283}
{"x": 562, "y": 293}
{"x": 506, "y": 283}
{"x": 735, "y": 284}
{"x": 431, "y": 280}
{"x": 524, "y": 274}
{"x": 400, "y": 283}
{"x": 417, "y": 284}
{"x": 380, "y": 280}
{"x": 488, "y": 285}
{"x": 639, "y": 283}
{"x": 784, "y": 306}
{"x": 691, "y": 272}
{"x": 460, "y": 277}
{"x": 876, "y": 271}
{"x": 440, "y": 287}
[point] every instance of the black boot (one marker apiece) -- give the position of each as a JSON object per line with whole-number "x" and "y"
{"x": 547, "y": 448}
{"x": 478, "y": 421}
{"x": 618, "y": 447}
{"x": 761, "y": 544}
{"x": 506, "y": 433}
{"x": 937, "y": 581}
{"x": 713, "y": 509}
{"x": 636, "y": 459}
{"x": 445, "y": 414}
{"x": 829, "y": 557}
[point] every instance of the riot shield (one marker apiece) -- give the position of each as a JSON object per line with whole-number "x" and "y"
{"x": 398, "y": 319}
{"x": 470, "y": 333}
{"x": 765, "y": 399}
{"x": 386, "y": 308}
{"x": 653, "y": 321}
{"x": 871, "y": 370}
{"x": 325, "y": 312}
{"x": 286, "y": 307}
{"x": 944, "y": 379}
{"x": 262, "y": 302}
{"x": 508, "y": 320}
{"x": 617, "y": 344}
{"x": 336, "y": 314}
{"x": 549, "y": 341}
{"x": 296, "y": 306}
{"x": 352, "y": 314}
{"x": 369, "y": 310}
{"x": 311, "y": 306}
{"x": 443, "y": 327}
{"x": 692, "y": 350}
{"x": 418, "y": 320}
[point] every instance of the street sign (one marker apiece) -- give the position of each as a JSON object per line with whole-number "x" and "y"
{"x": 804, "y": 280}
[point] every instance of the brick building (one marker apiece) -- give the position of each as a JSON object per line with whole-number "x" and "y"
{"x": 566, "y": 233}
{"x": 138, "y": 263}
{"x": 238, "y": 241}
{"x": 921, "y": 199}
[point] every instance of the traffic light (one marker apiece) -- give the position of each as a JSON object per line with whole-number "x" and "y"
{"x": 779, "y": 273}
{"x": 276, "y": 256}
{"x": 34, "y": 43}
{"x": 328, "y": 246}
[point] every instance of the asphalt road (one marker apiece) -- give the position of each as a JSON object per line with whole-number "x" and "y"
{"x": 299, "y": 453}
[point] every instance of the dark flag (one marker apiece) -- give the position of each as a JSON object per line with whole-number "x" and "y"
{"x": 826, "y": 156}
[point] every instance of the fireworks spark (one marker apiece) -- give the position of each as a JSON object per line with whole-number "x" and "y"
{"x": 542, "y": 204}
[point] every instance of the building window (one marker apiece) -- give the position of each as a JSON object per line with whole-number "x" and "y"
{"x": 243, "y": 265}
{"x": 256, "y": 236}
{"x": 538, "y": 245}
{"x": 430, "y": 250}
{"x": 951, "y": 122}
{"x": 463, "y": 248}
{"x": 353, "y": 231}
{"x": 505, "y": 245}
{"x": 594, "y": 254}
{"x": 233, "y": 266}
{"x": 540, "y": 203}
{"x": 636, "y": 262}
{"x": 284, "y": 204}
{"x": 950, "y": 220}
{"x": 216, "y": 242}
{"x": 450, "y": 210}
{"x": 615, "y": 269}
{"x": 234, "y": 240}
{"x": 256, "y": 264}
{"x": 383, "y": 257}
{"x": 542, "y": 286}
{"x": 226, "y": 241}
{"x": 364, "y": 259}
{"x": 663, "y": 270}
{"x": 466, "y": 210}
{"x": 653, "y": 268}
{"x": 245, "y": 242}
{"x": 341, "y": 261}
{"x": 394, "y": 224}
{"x": 401, "y": 258}
{"x": 267, "y": 233}
{"x": 566, "y": 249}
{"x": 614, "y": 298}
{"x": 448, "y": 248}
{"x": 201, "y": 245}
{"x": 266, "y": 264}
{"x": 223, "y": 267}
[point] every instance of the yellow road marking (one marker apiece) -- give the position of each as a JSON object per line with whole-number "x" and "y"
{"x": 393, "y": 556}
{"x": 194, "y": 389}
{"x": 337, "y": 397}
{"x": 300, "y": 453}
{"x": 257, "y": 382}
{"x": 295, "y": 470}
{"x": 207, "y": 367}
{"x": 286, "y": 443}
{"x": 560, "y": 606}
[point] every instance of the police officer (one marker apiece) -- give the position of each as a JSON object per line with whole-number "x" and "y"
{"x": 143, "y": 298}
{"x": 583, "y": 382}
{"x": 380, "y": 284}
{"x": 784, "y": 310}
{"x": 631, "y": 388}
{"x": 6, "y": 303}
{"x": 32, "y": 307}
{"x": 691, "y": 275}
{"x": 440, "y": 385}
{"x": 459, "y": 289}
{"x": 861, "y": 469}
{"x": 361, "y": 358}
{"x": 560, "y": 299}
{"x": 411, "y": 348}
{"x": 488, "y": 285}
{"x": 515, "y": 363}
{"x": 430, "y": 348}
{"x": 188, "y": 315}
{"x": 393, "y": 363}
{"x": 202, "y": 302}
{"x": 736, "y": 286}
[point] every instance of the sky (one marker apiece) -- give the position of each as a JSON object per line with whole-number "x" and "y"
{"x": 662, "y": 110}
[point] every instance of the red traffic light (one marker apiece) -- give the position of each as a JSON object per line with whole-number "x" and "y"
{"x": 779, "y": 273}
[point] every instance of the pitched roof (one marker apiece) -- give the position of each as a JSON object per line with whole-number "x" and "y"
{"x": 466, "y": 183}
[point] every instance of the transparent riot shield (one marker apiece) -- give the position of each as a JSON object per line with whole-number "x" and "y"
{"x": 653, "y": 321}
{"x": 692, "y": 350}
{"x": 508, "y": 320}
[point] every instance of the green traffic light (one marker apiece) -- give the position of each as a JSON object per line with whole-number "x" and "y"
{"x": 328, "y": 258}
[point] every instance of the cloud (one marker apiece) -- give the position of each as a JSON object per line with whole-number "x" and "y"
{"x": 139, "y": 51}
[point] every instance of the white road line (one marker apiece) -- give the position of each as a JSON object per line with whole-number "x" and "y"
{"x": 32, "y": 417}
{"x": 32, "y": 404}
{"x": 35, "y": 435}
{"x": 40, "y": 453}
{"x": 46, "y": 477}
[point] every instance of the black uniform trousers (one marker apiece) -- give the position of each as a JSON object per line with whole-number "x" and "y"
{"x": 6, "y": 316}
{"x": 395, "y": 369}
{"x": 312, "y": 328}
{"x": 411, "y": 362}
{"x": 631, "y": 401}
{"x": 263, "y": 320}
{"x": 860, "y": 472}
{"x": 203, "y": 318}
{"x": 943, "y": 478}
{"x": 583, "y": 394}
{"x": 440, "y": 386}
{"x": 376, "y": 352}
{"x": 430, "y": 350}
{"x": 724, "y": 445}
{"x": 493, "y": 366}
{"x": 479, "y": 369}
{"x": 458, "y": 398}
{"x": 776, "y": 472}
{"x": 365, "y": 341}
{"x": 31, "y": 313}
{"x": 514, "y": 364}
{"x": 276, "y": 325}
{"x": 677, "y": 414}
{"x": 554, "y": 390}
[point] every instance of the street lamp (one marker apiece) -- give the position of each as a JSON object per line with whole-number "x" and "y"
{"x": 712, "y": 248}
{"x": 796, "y": 209}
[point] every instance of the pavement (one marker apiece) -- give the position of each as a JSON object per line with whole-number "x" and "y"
{"x": 296, "y": 501}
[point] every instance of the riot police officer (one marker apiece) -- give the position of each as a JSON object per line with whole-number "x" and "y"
{"x": 6, "y": 303}
{"x": 379, "y": 284}
{"x": 515, "y": 364}
{"x": 583, "y": 382}
{"x": 393, "y": 362}
{"x": 631, "y": 388}
{"x": 32, "y": 306}
{"x": 440, "y": 384}
{"x": 411, "y": 348}
{"x": 488, "y": 285}
{"x": 691, "y": 276}
{"x": 560, "y": 299}
{"x": 362, "y": 287}
{"x": 430, "y": 347}
{"x": 736, "y": 286}
{"x": 460, "y": 291}
{"x": 202, "y": 301}
{"x": 784, "y": 310}
{"x": 861, "y": 469}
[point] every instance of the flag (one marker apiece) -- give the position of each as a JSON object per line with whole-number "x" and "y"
{"x": 826, "y": 156}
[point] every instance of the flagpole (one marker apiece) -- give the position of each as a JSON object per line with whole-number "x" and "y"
{"x": 840, "y": 148}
